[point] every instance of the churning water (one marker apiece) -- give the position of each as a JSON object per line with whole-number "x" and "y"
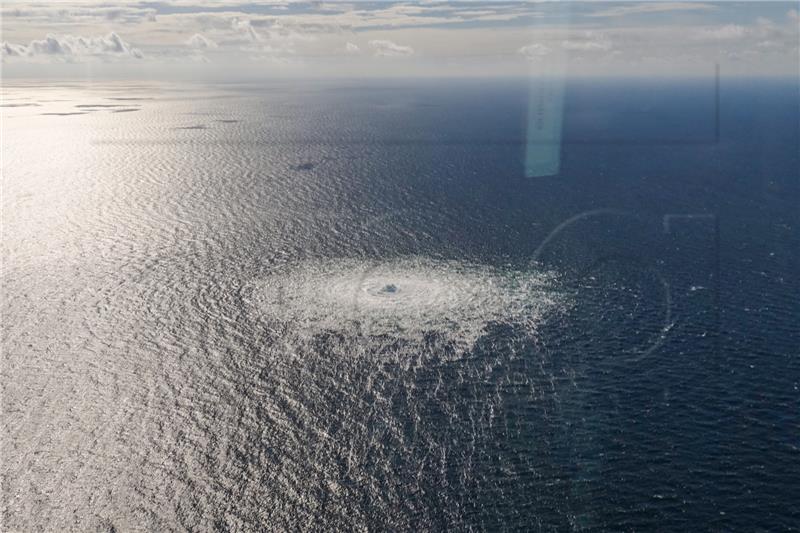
{"x": 406, "y": 299}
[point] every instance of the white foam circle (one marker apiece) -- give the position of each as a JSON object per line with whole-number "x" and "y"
{"x": 406, "y": 298}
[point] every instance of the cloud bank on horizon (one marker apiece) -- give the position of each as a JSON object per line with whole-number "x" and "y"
{"x": 284, "y": 37}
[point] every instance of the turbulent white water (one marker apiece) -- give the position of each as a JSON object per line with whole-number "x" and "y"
{"x": 406, "y": 298}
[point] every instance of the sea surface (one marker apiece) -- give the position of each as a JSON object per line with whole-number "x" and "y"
{"x": 333, "y": 306}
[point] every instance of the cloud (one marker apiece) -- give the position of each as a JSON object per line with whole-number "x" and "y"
{"x": 247, "y": 29}
{"x": 764, "y": 30}
{"x": 13, "y": 50}
{"x": 64, "y": 13}
{"x": 385, "y": 48}
{"x": 201, "y": 42}
{"x": 274, "y": 39}
{"x": 586, "y": 46}
{"x": 724, "y": 33}
{"x": 534, "y": 51}
{"x": 589, "y": 42}
{"x": 650, "y": 7}
{"x": 325, "y": 16}
{"x": 458, "y": 37}
{"x": 71, "y": 47}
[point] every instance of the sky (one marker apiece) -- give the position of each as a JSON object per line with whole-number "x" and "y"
{"x": 232, "y": 40}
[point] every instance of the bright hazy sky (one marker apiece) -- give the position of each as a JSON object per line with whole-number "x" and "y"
{"x": 237, "y": 40}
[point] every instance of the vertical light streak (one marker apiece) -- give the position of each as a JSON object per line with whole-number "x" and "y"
{"x": 546, "y": 109}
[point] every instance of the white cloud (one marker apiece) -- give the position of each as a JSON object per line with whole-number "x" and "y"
{"x": 343, "y": 15}
{"x": 13, "y": 50}
{"x": 724, "y": 33}
{"x": 763, "y": 30}
{"x": 247, "y": 29}
{"x": 274, "y": 38}
{"x": 587, "y": 46}
{"x": 589, "y": 42}
{"x": 64, "y": 13}
{"x": 533, "y": 51}
{"x": 468, "y": 37}
{"x": 200, "y": 42}
{"x": 386, "y": 48}
{"x": 71, "y": 47}
{"x": 650, "y": 7}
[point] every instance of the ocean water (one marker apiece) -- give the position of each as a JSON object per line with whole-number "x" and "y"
{"x": 342, "y": 306}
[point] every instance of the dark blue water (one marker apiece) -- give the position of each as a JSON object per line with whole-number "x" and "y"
{"x": 703, "y": 431}
{"x": 152, "y": 381}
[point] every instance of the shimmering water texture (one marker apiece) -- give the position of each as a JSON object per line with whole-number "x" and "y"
{"x": 345, "y": 306}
